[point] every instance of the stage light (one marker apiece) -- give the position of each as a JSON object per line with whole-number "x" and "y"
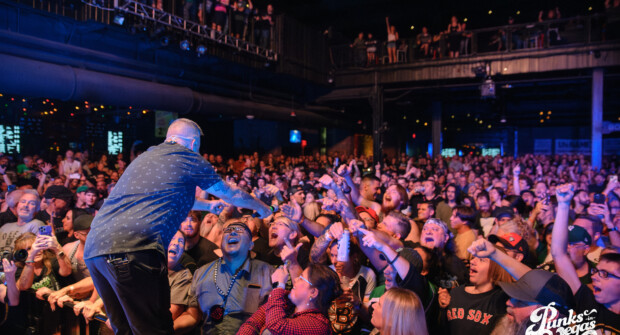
{"x": 119, "y": 19}
{"x": 490, "y": 12}
{"x": 503, "y": 119}
{"x": 164, "y": 41}
{"x": 184, "y": 45}
{"x": 201, "y": 50}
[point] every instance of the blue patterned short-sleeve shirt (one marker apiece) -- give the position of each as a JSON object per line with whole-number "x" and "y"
{"x": 149, "y": 202}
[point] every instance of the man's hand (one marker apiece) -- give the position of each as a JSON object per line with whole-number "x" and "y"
{"x": 482, "y": 248}
{"x": 217, "y": 206}
{"x": 444, "y": 297}
{"x": 292, "y": 211}
{"x": 327, "y": 181}
{"x": 516, "y": 171}
{"x": 271, "y": 189}
{"x": 370, "y": 240}
{"x": 65, "y": 298}
{"x": 280, "y": 275}
{"x": 40, "y": 293}
{"x": 345, "y": 169}
{"x": 355, "y": 225}
{"x": 564, "y": 193}
{"x": 9, "y": 268}
{"x": 336, "y": 230}
{"x": 289, "y": 253}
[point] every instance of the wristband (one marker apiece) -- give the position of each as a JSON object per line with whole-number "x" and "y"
{"x": 614, "y": 229}
{"x": 29, "y": 262}
{"x": 394, "y": 260}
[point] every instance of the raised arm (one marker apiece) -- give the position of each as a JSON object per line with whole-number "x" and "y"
{"x": 559, "y": 242}
{"x": 482, "y": 248}
{"x": 237, "y": 197}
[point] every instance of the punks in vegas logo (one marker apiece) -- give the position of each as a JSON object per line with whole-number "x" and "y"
{"x": 547, "y": 321}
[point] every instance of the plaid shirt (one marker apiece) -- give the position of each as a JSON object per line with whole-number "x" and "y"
{"x": 274, "y": 316}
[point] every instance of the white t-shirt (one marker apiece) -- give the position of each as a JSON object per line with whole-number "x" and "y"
{"x": 70, "y": 168}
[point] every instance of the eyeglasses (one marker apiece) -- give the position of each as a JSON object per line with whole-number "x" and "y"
{"x": 236, "y": 229}
{"x": 304, "y": 279}
{"x": 604, "y": 274}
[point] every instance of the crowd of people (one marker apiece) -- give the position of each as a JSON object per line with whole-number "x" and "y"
{"x": 237, "y": 18}
{"x": 408, "y": 245}
{"x": 455, "y": 40}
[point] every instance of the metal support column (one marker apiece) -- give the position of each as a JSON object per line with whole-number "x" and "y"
{"x": 597, "y": 118}
{"x": 378, "y": 128}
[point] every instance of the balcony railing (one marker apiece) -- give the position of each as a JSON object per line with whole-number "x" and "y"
{"x": 140, "y": 17}
{"x": 574, "y": 31}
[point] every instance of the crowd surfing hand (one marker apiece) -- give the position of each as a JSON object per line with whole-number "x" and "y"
{"x": 482, "y": 248}
{"x": 444, "y": 297}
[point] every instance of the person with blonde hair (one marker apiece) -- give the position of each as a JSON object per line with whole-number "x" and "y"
{"x": 399, "y": 312}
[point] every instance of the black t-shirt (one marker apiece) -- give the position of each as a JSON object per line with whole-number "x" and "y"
{"x": 150, "y": 201}
{"x": 7, "y": 217}
{"x": 202, "y": 252}
{"x": 474, "y": 313}
{"x": 261, "y": 247}
{"x": 606, "y": 321}
{"x": 303, "y": 257}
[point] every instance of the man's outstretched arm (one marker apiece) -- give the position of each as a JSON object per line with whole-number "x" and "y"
{"x": 237, "y": 197}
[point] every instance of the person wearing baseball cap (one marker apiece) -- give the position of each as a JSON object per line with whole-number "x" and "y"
{"x": 59, "y": 200}
{"x": 503, "y": 214}
{"x": 296, "y": 193}
{"x": 535, "y": 289}
{"x": 86, "y": 198}
{"x": 515, "y": 245}
{"x": 368, "y": 215}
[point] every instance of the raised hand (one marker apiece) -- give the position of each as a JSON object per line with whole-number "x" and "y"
{"x": 289, "y": 253}
{"x": 355, "y": 225}
{"x": 292, "y": 211}
{"x": 482, "y": 248}
{"x": 336, "y": 230}
{"x": 564, "y": 193}
{"x": 370, "y": 240}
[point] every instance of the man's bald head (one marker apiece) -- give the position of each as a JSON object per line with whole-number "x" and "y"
{"x": 185, "y": 132}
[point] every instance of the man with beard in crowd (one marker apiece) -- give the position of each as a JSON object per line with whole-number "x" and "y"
{"x": 199, "y": 248}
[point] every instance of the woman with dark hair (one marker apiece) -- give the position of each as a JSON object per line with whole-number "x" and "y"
{"x": 303, "y": 310}
{"x": 67, "y": 225}
{"x": 516, "y": 202}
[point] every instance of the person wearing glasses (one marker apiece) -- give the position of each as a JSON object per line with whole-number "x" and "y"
{"x": 225, "y": 292}
{"x": 605, "y": 296}
{"x": 301, "y": 311}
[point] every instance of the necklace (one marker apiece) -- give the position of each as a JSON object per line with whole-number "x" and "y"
{"x": 232, "y": 282}
{"x": 216, "y": 313}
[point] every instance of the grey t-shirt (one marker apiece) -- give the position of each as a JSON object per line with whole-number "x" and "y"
{"x": 11, "y": 231}
{"x": 150, "y": 201}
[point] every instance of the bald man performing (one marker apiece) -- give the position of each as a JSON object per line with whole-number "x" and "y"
{"x": 126, "y": 247}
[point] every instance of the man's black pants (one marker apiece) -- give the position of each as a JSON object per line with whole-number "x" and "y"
{"x": 135, "y": 291}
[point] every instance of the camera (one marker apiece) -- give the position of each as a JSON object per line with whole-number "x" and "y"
{"x": 18, "y": 255}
